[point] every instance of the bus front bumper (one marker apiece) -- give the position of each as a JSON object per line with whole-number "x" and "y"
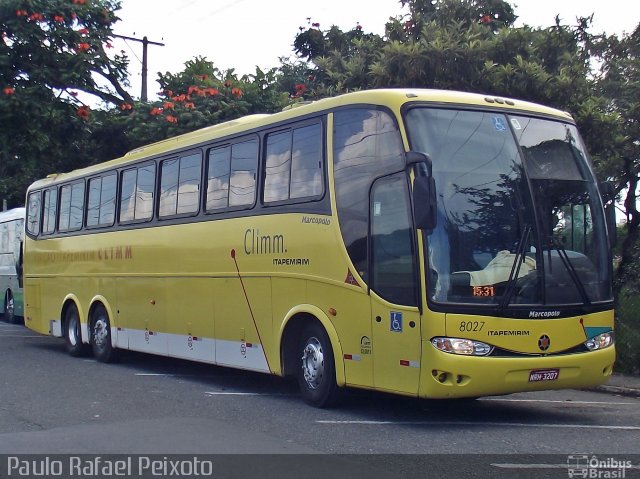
{"x": 447, "y": 375}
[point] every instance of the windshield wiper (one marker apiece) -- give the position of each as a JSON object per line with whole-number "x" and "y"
{"x": 562, "y": 253}
{"x": 515, "y": 268}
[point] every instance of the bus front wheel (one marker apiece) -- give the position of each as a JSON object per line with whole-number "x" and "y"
{"x": 103, "y": 349}
{"x": 73, "y": 333}
{"x": 316, "y": 367}
{"x": 9, "y": 308}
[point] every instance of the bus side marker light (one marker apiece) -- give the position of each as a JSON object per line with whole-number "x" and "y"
{"x": 410, "y": 364}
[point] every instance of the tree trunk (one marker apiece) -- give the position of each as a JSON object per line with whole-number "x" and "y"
{"x": 628, "y": 270}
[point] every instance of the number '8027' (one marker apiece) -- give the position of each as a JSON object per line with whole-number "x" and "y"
{"x": 471, "y": 326}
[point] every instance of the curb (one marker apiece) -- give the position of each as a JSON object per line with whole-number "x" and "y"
{"x": 620, "y": 390}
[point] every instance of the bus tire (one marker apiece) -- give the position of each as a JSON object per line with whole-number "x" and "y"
{"x": 100, "y": 336}
{"x": 9, "y": 308}
{"x": 316, "y": 372}
{"x": 73, "y": 333}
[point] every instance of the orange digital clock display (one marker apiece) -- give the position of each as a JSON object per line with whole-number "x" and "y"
{"x": 483, "y": 291}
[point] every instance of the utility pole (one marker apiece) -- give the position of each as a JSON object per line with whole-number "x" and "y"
{"x": 145, "y": 41}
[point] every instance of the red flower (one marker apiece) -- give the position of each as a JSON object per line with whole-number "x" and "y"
{"x": 83, "y": 112}
{"x": 82, "y": 47}
{"x": 155, "y": 111}
{"x": 237, "y": 92}
{"x": 358, "y": 27}
{"x": 212, "y": 91}
{"x": 169, "y": 93}
{"x": 83, "y": 31}
{"x": 8, "y": 90}
{"x": 486, "y": 19}
{"x": 171, "y": 119}
{"x": 300, "y": 88}
{"x": 36, "y": 17}
{"x": 189, "y": 105}
{"x": 78, "y": 2}
{"x": 179, "y": 98}
{"x": 167, "y": 105}
{"x": 202, "y": 77}
{"x": 21, "y": 13}
{"x": 227, "y": 83}
{"x": 58, "y": 19}
{"x": 126, "y": 106}
{"x": 193, "y": 89}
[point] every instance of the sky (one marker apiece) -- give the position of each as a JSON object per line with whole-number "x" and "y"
{"x": 243, "y": 34}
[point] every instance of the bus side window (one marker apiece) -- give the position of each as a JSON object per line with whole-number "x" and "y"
{"x": 244, "y": 166}
{"x": 293, "y": 164}
{"x": 50, "y": 207}
{"x": 180, "y": 185}
{"x": 231, "y": 176}
{"x": 392, "y": 246}
{"x": 101, "y": 206}
{"x": 218, "y": 172}
{"x": 366, "y": 145}
{"x": 136, "y": 193}
{"x": 71, "y": 207}
{"x": 34, "y": 206}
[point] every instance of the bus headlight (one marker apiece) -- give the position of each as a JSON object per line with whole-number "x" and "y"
{"x": 601, "y": 341}
{"x": 466, "y": 347}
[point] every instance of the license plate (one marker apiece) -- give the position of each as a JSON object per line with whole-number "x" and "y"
{"x": 544, "y": 375}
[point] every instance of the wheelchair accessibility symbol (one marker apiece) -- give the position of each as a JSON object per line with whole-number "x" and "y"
{"x": 396, "y": 322}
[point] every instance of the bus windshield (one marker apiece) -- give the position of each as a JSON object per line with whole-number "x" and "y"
{"x": 519, "y": 219}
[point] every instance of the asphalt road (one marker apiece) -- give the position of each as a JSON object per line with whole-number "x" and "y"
{"x": 51, "y": 403}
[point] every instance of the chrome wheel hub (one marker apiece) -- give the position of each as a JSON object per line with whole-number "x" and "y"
{"x": 313, "y": 363}
{"x": 72, "y": 331}
{"x": 100, "y": 333}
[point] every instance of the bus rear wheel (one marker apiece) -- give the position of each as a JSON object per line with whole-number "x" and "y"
{"x": 73, "y": 333}
{"x": 101, "y": 344}
{"x": 316, "y": 372}
{"x": 9, "y": 308}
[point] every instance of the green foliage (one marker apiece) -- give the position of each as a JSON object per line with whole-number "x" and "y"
{"x": 49, "y": 52}
{"x": 628, "y": 333}
{"x": 471, "y": 45}
{"x": 493, "y": 14}
{"x": 60, "y": 45}
{"x": 201, "y": 95}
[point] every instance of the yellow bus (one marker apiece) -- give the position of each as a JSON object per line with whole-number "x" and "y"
{"x": 426, "y": 243}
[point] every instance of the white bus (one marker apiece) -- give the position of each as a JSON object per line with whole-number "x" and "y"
{"x": 11, "y": 236}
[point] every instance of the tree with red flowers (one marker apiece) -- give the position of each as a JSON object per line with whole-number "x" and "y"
{"x": 51, "y": 51}
{"x": 61, "y": 45}
{"x": 202, "y": 95}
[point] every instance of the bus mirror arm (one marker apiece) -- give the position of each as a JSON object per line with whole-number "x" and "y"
{"x": 424, "y": 191}
{"x": 418, "y": 158}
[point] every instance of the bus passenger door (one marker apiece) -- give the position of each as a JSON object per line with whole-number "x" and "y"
{"x": 396, "y": 345}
